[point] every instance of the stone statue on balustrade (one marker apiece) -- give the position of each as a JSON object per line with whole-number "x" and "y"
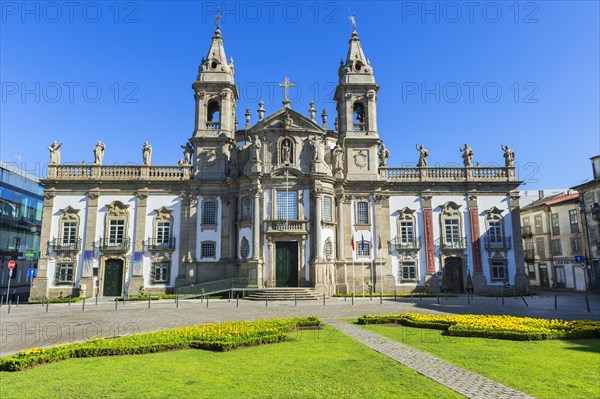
{"x": 147, "y": 153}
{"x": 257, "y": 146}
{"x": 188, "y": 151}
{"x": 509, "y": 156}
{"x": 423, "y": 154}
{"x": 99, "y": 153}
{"x": 384, "y": 154}
{"x": 55, "y": 153}
{"x": 467, "y": 155}
{"x": 234, "y": 153}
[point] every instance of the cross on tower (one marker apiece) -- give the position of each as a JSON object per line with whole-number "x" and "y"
{"x": 218, "y": 17}
{"x": 286, "y": 85}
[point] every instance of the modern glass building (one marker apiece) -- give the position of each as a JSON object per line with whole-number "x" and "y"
{"x": 21, "y": 204}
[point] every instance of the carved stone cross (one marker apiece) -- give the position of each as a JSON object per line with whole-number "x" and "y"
{"x": 286, "y": 85}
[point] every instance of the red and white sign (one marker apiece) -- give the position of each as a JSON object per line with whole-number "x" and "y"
{"x": 11, "y": 264}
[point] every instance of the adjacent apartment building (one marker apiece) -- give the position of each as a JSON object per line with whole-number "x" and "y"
{"x": 21, "y": 204}
{"x": 590, "y": 211}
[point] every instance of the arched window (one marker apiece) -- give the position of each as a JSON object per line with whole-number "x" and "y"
{"x": 115, "y": 233}
{"x": 495, "y": 238}
{"x": 213, "y": 116}
{"x": 452, "y": 232}
{"x": 358, "y": 111}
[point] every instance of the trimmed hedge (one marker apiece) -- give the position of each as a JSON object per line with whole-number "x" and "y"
{"x": 214, "y": 337}
{"x": 490, "y": 326}
{"x": 58, "y": 300}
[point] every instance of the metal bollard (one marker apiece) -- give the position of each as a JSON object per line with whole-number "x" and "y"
{"x": 438, "y": 298}
{"x": 295, "y": 299}
{"x": 556, "y": 302}
{"x": 237, "y": 301}
{"x": 96, "y": 299}
{"x": 353, "y": 299}
{"x": 176, "y": 302}
{"x": 587, "y": 303}
{"x": 69, "y": 301}
{"x": 83, "y": 305}
{"x": 468, "y": 299}
{"x": 395, "y": 296}
{"x": 523, "y": 298}
{"x": 148, "y": 301}
{"x": 116, "y": 303}
{"x": 371, "y": 294}
{"x": 410, "y": 297}
{"x": 9, "y": 303}
{"x": 381, "y": 298}
{"x": 323, "y": 299}
{"x": 207, "y": 301}
{"x": 502, "y": 299}
{"x": 17, "y": 300}
{"x": 267, "y": 299}
{"x": 47, "y": 302}
{"x": 229, "y": 298}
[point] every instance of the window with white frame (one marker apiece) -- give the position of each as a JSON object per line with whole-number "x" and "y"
{"x": 556, "y": 247}
{"x": 538, "y": 222}
{"x": 363, "y": 249}
{"x": 327, "y": 208}
{"x": 408, "y": 270}
{"x": 209, "y": 212}
{"x": 160, "y": 272}
{"x": 452, "y": 232}
{"x": 574, "y": 220}
{"x": 287, "y": 205}
{"x": 555, "y": 224}
{"x": 163, "y": 232}
{"x": 499, "y": 270}
{"x": 208, "y": 250}
{"x": 246, "y": 209}
{"x": 540, "y": 246}
{"x": 116, "y": 231}
{"x": 407, "y": 232}
{"x": 69, "y": 233}
{"x": 64, "y": 273}
{"x": 362, "y": 212}
{"x": 495, "y": 232}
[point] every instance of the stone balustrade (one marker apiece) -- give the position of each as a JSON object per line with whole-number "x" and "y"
{"x": 286, "y": 225}
{"x": 118, "y": 172}
{"x": 450, "y": 174}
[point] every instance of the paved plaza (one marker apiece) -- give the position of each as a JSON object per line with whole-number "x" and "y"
{"x": 30, "y": 326}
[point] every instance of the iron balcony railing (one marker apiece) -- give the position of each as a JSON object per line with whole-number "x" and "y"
{"x": 113, "y": 244}
{"x": 58, "y": 244}
{"x": 498, "y": 243}
{"x": 454, "y": 243}
{"x": 405, "y": 243}
{"x": 529, "y": 255}
{"x": 527, "y": 231}
{"x": 160, "y": 244}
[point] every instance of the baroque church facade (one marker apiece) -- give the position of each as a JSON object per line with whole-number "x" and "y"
{"x": 286, "y": 202}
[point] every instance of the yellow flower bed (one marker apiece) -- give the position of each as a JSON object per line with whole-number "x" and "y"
{"x": 212, "y": 336}
{"x": 506, "y": 327}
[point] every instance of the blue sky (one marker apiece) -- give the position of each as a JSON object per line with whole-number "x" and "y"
{"x": 524, "y": 74}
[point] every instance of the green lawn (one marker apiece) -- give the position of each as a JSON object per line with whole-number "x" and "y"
{"x": 545, "y": 369}
{"x": 318, "y": 364}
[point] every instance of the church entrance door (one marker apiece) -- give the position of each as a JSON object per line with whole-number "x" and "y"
{"x": 113, "y": 277}
{"x": 453, "y": 275}
{"x": 286, "y": 264}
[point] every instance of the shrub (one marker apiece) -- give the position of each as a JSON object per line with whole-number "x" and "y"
{"x": 212, "y": 336}
{"x": 490, "y": 326}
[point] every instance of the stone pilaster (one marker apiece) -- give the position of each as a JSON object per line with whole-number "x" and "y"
{"x": 341, "y": 281}
{"x": 385, "y": 279}
{"x": 39, "y": 288}
{"x": 430, "y": 272}
{"x": 522, "y": 284}
{"x": 479, "y": 281}
{"x": 256, "y": 222}
{"x": 137, "y": 277}
{"x": 87, "y": 285}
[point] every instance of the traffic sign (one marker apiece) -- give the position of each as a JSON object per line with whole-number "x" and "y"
{"x": 32, "y": 272}
{"x": 579, "y": 259}
{"x": 11, "y": 264}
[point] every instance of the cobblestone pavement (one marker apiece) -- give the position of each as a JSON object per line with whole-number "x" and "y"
{"x": 458, "y": 379}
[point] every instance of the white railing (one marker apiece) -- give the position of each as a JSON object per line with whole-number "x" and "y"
{"x": 449, "y": 174}
{"x": 118, "y": 172}
{"x": 289, "y": 225}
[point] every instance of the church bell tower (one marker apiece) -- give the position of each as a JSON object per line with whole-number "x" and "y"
{"x": 215, "y": 94}
{"x": 356, "y": 97}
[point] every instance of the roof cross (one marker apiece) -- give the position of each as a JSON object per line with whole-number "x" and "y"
{"x": 286, "y": 85}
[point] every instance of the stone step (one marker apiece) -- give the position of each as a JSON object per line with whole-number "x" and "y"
{"x": 284, "y": 294}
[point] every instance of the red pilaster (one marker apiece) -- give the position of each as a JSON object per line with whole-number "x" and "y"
{"x": 430, "y": 257}
{"x": 475, "y": 242}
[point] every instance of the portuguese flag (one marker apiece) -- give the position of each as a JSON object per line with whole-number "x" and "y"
{"x": 352, "y": 243}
